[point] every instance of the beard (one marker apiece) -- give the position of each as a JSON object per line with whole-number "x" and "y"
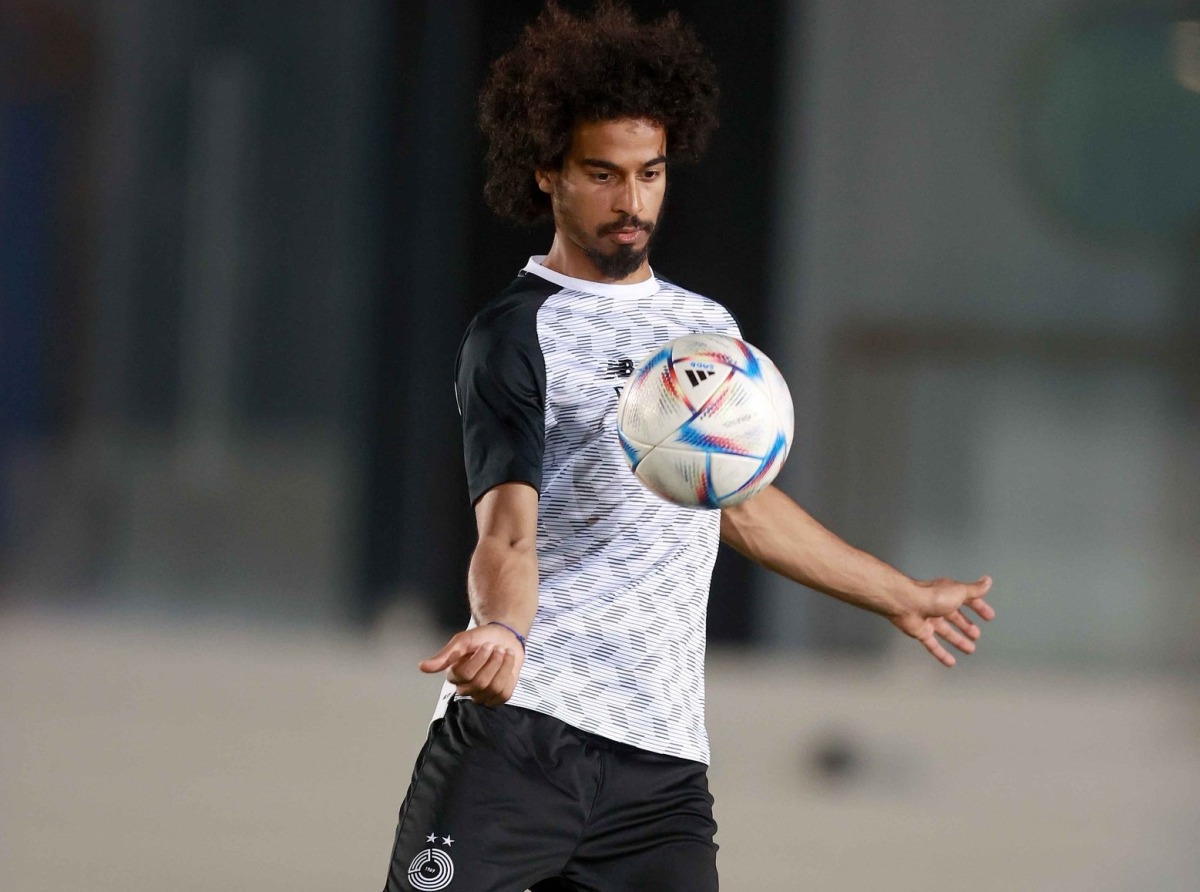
{"x": 626, "y": 258}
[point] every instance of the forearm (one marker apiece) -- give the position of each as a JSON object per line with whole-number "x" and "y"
{"x": 502, "y": 582}
{"x": 774, "y": 531}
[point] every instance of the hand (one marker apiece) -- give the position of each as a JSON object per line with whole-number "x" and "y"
{"x": 482, "y": 663}
{"x": 935, "y": 610}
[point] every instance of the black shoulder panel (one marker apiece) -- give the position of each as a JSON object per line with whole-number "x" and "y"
{"x": 500, "y": 382}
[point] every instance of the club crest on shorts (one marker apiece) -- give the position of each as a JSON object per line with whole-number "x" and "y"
{"x": 432, "y": 869}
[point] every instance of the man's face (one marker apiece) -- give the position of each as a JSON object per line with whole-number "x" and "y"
{"x": 608, "y": 194}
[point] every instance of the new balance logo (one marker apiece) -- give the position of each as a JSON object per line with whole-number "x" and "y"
{"x": 695, "y": 376}
{"x": 619, "y": 368}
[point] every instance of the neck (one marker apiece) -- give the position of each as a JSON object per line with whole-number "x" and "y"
{"x": 569, "y": 259}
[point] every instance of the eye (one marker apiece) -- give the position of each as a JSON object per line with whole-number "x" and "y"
{"x": 601, "y": 176}
{"x": 653, "y": 174}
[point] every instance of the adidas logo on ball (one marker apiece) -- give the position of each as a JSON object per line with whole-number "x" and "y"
{"x": 716, "y": 441}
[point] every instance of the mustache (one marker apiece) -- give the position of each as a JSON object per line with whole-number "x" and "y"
{"x": 626, "y": 222}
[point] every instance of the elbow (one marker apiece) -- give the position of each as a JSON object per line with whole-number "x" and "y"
{"x": 509, "y": 542}
{"x": 744, "y": 522}
{"x": 737, "y": 516}
{"x": 732, "y": 521}
{"x": 522, "y": 545}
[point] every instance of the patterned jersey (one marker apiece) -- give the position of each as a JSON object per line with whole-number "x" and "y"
{"x": 617, "y": 644}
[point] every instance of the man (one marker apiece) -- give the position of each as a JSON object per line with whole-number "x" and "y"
{"x": 568, "y": 751}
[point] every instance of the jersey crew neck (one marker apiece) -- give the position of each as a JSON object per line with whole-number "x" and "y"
{"x": 587, "y": 286}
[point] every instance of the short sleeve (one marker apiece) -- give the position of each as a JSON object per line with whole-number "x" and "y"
{"x": 500, "y": 382}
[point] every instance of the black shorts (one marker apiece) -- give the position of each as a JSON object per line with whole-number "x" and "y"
{"x": 506, "y": 799}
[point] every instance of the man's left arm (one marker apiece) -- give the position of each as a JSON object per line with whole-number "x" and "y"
{"x": 773, "y": 530}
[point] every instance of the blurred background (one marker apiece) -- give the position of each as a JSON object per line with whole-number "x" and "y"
{"x": 239, "y": 243}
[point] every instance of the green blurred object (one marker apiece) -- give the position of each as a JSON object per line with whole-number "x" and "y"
{"x": 1110, "y": 122}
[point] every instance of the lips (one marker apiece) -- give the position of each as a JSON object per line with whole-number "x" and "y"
{"x": 626, "y": 236}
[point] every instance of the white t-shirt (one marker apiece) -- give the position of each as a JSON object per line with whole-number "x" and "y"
{"x": 617, "y": 645}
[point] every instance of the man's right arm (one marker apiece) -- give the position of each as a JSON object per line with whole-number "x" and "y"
{"x": 502, "y": 583}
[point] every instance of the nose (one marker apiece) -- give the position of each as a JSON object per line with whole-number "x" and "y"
{"x": 628, "y": 199}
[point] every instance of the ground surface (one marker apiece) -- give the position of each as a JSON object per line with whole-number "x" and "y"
{"x": 137, "y": 757}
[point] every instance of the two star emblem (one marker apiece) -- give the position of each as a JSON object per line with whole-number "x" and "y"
{"x": 446, "y": 840}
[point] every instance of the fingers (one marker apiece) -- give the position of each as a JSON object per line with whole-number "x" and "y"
{"x": 484, "y": 671}
{"x": 932, "y": 632}
{"x": 948, "y": 597}
{"x": 941, "y": 618}
{"x": 949, "y": 633}
{"x": 934, "y": 646}
{"x": 462, "y": 646}
{"x": 492, "y": 679}
{"x": 454, "y": 650}
{"x": 964, "y": 624}
{"x": 956, "y": 630}
{"x": 472, "y": 667}
{"x": 502, "y": 684}
{"x": 985, "y": 610}
{"x": 975, "y": 599}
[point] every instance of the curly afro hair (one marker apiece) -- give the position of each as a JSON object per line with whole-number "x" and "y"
{"x": 567, "y": 69}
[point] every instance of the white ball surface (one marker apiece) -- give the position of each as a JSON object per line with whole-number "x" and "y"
{"x": 706, "y": 421}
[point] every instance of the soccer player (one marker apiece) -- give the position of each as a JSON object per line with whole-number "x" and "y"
{"x": 568, "y": 749}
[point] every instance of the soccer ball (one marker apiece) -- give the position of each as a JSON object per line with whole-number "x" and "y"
{"x": 706, "y": 421}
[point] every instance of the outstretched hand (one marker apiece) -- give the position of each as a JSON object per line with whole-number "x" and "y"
{"x": 935, "y": 615}
{"x": 482, "y": 663}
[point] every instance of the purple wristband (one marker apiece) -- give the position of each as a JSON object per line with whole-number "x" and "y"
{"x": 520, "y": 637}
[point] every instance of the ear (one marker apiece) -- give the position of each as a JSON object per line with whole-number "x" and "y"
{"x": 545, "y": 180}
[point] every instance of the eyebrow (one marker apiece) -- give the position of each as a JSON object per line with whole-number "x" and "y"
{"x": 608, "y": 165}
